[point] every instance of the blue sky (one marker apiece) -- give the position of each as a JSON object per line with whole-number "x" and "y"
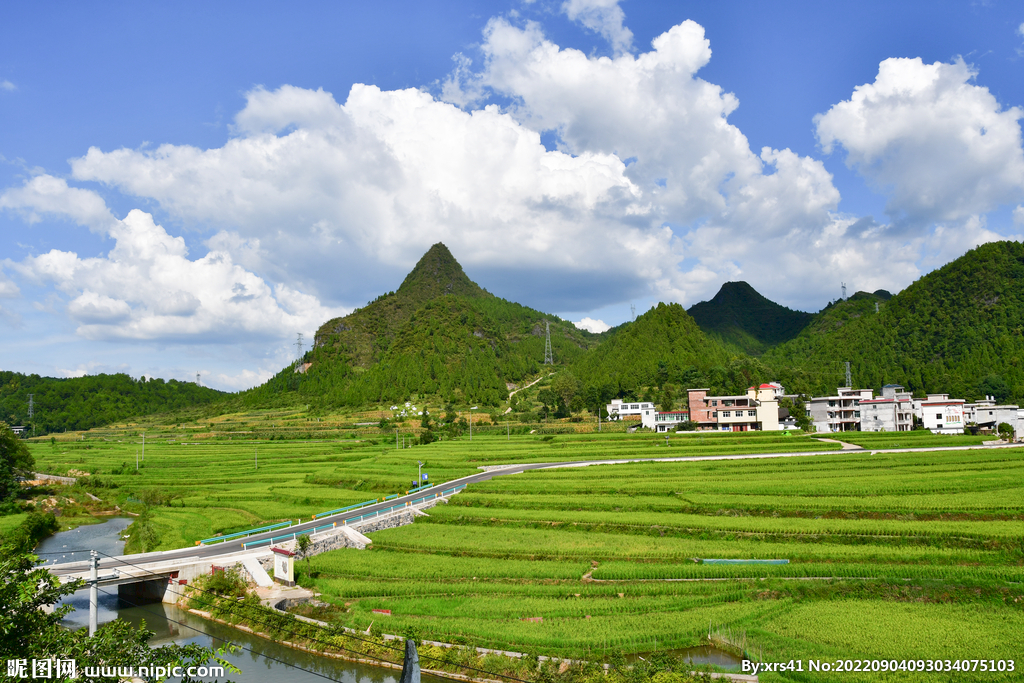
{"x": 185, "y": 187}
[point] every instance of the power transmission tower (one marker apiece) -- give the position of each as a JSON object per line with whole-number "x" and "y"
{"x": 548, "y": 358}
{"x": 298, "y": 344}
{"x": 876, "y": 307}
{"x": 849, "y": 382}
{"x": 198, "y": 382}
{"x": 844, "y": 291}
{"x": 30, "y": 405}
{"x": 632, "y": 311}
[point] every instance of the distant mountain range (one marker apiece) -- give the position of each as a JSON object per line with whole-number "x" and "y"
{"x": 959, "y": 329}
{"x": 75, "y": 403}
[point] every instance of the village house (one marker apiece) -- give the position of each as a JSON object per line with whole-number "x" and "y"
{"x": 941, "y": 414}
{"x": 756, "y": 410}
{"x": 839, "y": 413}
{"x": 619, "y": 409}
{"x": 893, "y": 411}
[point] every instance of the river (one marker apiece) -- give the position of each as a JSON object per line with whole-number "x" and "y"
{"x": 261, "y": 660}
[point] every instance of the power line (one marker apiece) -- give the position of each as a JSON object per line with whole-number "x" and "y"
{"x": 344, "y": 633}
{"x": 548, "y": 358}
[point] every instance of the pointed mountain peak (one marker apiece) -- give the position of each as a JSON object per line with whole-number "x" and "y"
{"x": 743, "y": 317}
{"x": 436, "y": 274}
{"x": 739, "y": 292}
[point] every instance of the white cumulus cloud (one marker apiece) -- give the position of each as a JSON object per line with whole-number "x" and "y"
{"x": 604, "y": 17}
{"x": 942, "y": 148}
{"x": 591, "y": 325}
{"x": 147, "y": 288}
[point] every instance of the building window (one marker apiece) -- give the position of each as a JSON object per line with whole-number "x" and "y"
{"x": 751, "y": 413}
{"x": 938, "y": 416}
{"x": 715, "y": 403}
{"x": 726, "y": 414}
{"x": 831, "y": 404}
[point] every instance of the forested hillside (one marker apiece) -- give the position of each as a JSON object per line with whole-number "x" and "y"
{"x": 439, "y": 333}
{"x": 959, "y": 329}
{"x": 94, "y": 400}
{"x": 665, "y": 347}
{"x": 741, "y": 318}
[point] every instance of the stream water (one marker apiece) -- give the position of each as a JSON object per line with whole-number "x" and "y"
{"x": 261, "y": 660}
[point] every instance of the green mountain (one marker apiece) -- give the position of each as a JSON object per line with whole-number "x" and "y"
{"x": 94, "y": 400}
{"x": 959, "y": 329}
{"x": 439, "y": 333}
{"x": 664, "y": 346}
{"x": 743, "y": 319}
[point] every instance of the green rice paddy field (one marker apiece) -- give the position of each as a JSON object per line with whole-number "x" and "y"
{"x": 912, "y": 555}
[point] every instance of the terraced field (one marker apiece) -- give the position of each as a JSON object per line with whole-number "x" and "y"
{"x": 898, "y": 555}
{"x": 587, "y": 562}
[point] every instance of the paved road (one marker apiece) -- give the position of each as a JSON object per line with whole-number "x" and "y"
{"x": 234, "y": 546}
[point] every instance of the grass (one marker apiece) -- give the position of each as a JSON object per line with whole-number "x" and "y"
{"x": 914, "y": 554}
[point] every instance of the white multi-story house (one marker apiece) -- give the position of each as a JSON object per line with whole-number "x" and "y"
{"x": 893, "y": 411}
{"x": 942, "y": 414}
{"x": 619, "y": 409}
{"x": 839, "y": 413}
{"x": 668, "y": 421}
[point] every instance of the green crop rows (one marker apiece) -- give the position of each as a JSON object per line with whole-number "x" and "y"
{"x": 898, "y": 555}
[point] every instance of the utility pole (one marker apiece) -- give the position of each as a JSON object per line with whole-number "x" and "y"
{"x": 94, "y": 578}
{"x": 136, "y": 459}
{"x": 396, "y": 439}
{"x": 30, "y": 407}
{"x": 143, "y": 446}
{"x": 419, "y": 473}
{"x": 508, "y": 433}
{"x": 471, "y": 422}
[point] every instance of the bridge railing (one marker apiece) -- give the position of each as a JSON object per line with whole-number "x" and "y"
{"x": 329, "y": 513}
{"x": 351, "y": 520}
{"x": 250, "y": 532}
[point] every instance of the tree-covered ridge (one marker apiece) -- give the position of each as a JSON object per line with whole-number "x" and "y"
{"x": 85, "y": 402}
{"x": 742, "y": 318}
{"x": 664, "y": 346}
{"x": 463, "y": 349}
{"x": 959, "y": 329}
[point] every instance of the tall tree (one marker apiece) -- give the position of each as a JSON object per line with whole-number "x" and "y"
{"x": 14, "y": 458}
